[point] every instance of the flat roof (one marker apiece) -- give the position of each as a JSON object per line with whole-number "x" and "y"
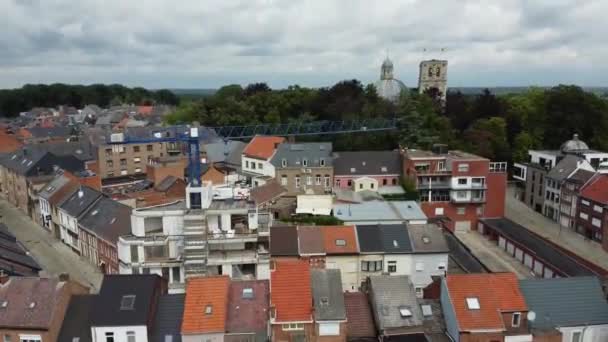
{"x": 542, "y": 249}
{"x": 454, "y": 154}
{"x": 379, "y": 211}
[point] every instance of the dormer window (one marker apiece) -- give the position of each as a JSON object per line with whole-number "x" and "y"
{"x": 473, "y": 303}
{"x": 127, "y": 302}
{"x": 322, "y": 162}
{"x": 284, "y": 162}
{"x": 304, "y": 162}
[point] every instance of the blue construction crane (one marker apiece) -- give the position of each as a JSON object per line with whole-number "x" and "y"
{"x": 190, "y": 135}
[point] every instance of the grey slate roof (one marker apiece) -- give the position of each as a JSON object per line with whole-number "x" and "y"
{"x": 543, "y": 249}
{"x": 33, "y": 161}
{"x": 581, "y": 176}
{"x": 107, "y": 303}
{"x": 169, "y": 318}
{"x": 295, "y": 153}
{"x": 427, "y": 238}
{"x": 53, "y": 186}
{"x": 563, "y": 302}
{"x": 80, "y": 200}
{"x": 284, "y": 241}
{"x": 108, "y": 219}
{"x": 228, "y": 152}
{"x": 51, "y": 132}
{"x": 367, "y": 163}
{"x": 166, "y": 183}
{"x": 564, "y": 167}
{"x": 389, "y": 295}
{"x": 393, "y": 238}
{"x": 14, "y": 258}
{"x": 327, "y": 295}
{"x": 76, "y": 323}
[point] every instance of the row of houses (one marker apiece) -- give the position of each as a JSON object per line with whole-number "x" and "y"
{"x": 568, "y": 186}
{"x": 304, "y": 303}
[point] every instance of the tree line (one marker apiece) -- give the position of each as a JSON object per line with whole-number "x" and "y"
{"x": 15, "y": 101}
{"x": 497, "y": 127}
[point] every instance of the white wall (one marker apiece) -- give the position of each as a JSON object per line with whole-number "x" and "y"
{"x": 594, "y": 333}
{"x": 349, "y": 267}
{"x": 403, "y": 262}
{"x": 365, "y": 183}
{"x": 45, "y": 208}
{"x": 266, "y": 170}
{"x": 120, "y": 333}
{"x": 431, "y": 264}
{"x": 203, "y": 338}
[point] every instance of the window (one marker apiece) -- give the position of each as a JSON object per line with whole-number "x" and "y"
{"x": 340, "y": 242}
{"x": 441, "y": 266}
{"x": 297, "y": 182}
{"x": 123, "y": 162}
{"x": 472, "y": 303}
{"x": 426, "y": 309}
{"x": 108, "y": 151}
{"x": 586, "y": 203}
{"x": 168, "y": 338}
{"x": 260, "y": 166}
{"x": 137, "y": 160}
{"x": 584, "y": 216}
{"x": 392, "y": 266}
{"x": 7, "y": 338}
{"x": 405, "y": 312}
{"x": 438, "y": 211}
{"x": 30, "y": 338}
{"x": 318, "y": 179}
{"x": 322, "y": 162}
{"x": 130, "y": 336}
{"x": 176, "y": 274}
{"x": 462, "y": 181}
{"x": 253, "y": 167}
{"x": 149, "y": 148}
{"x": 284, "y": 180}
{"x": 371, "y": 266}
{"x": 248, "y": 293}
{"x": 284, "y": 162}
{"x": 327, "y": 181}
{"x": 384, "y": 181}
{"x": 329, "y": 329}
{"x": 208, "y": 310}
{"x": 360, "y": 185}
{"x": 292, "y": 326}
{"x": 134, "y": 253}
{"x": 137, "y": 170}
{"x": 349, "y": 183}
{"x": 127, "y": 302}
{"x": 576, "y": 336}
{"x": 305, "y": 162}
{"x": 136, "y": 149}
{"x": 460, "y": 210}
{"x": 246, "y": 164}
{"x": 308, "y": 180}
{"x": 419, "y": 266}
{"x": 371, "y": 185}
{"x": 463, "y": 167}
{"x": 597, "y": 208}
{"x": 515, "y": 319}
{"x": 394, "y": 181}
{"x": 109, "y": 337}
{"x": 596, "y": 222}
{"x": 419, "y": 292}
{"x": 337, "y": 182}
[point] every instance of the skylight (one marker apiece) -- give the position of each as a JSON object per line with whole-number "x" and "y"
{"x": 405, "y": 312}
{"x": 208, "y": 309}
{"x": 426, "y": 310}
{"x": 395, "y": 243}
{"x": 4, "y": 304}
{"x": 94, "y": 212}
{"x": 473, "y": 303}
{"x": 426, "y": 239}
{"x": 32, "y": 305}
{"x": 248, "y": 293}
{"x": 324, "y": 301}
{"x": 340, "y": 242}
{"x": 127, "y": 302}
{"x": 113, "y": 220}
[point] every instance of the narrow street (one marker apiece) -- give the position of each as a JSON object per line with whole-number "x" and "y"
{"x": 53, "y": 256}
{"x": 518, "y": 212}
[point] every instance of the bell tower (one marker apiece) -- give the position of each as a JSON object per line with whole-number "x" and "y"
{"x": 433, "y": 74}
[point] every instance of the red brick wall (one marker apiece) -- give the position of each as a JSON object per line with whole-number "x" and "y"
{"x": 156, "y": 173}
{"x": 481, "y": 337}
{"x": 278, "y": 335}
{"x": 451, "y": 211}
{"x": 495, "y": 195}
{"x": 214, "y": 176}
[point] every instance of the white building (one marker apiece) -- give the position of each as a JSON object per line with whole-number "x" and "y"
{"x": 226, "y": 236}
{"x": 256, "y": 159}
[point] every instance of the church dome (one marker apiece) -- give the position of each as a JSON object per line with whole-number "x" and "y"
{"x": 574, "y": 145}
{"x": 389, "y": 87}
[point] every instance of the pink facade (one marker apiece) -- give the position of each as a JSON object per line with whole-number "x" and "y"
{"x": 346, "y": 182}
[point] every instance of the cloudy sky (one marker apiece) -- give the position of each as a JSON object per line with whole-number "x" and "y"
{"x": 206, "y": 44}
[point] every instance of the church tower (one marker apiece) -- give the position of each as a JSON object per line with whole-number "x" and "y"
{"x": 433, "y": 74}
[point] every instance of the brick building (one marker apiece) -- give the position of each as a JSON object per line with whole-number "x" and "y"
{"x": 456, "y": 186}
{"x": 304, "y": 168}
{"x": 592, "y": 216}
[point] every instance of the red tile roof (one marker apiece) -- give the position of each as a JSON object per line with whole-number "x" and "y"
{"x": 359, "y": 319}
{"x": 290, "y": 292}
{"x": 9, "y": 143}
{"x": 200, "y": 293}
{"x": 597, "y": 189}
{"x": 333, "y": 233}
{"x": 496, "y": 293}
{"x": 145, "y": 110}
{"x": 248, "y": 315}
{"x": 262, "y": 147}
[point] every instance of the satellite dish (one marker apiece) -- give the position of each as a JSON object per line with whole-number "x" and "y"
{"x": 531, "y": 316}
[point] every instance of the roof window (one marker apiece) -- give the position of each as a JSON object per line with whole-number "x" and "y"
{"x": 4, "y": 304}
{"x": 32, "y": 305}
{"x": 383, "y": 169}
{"x": 352, "y": 169}
{"x": 405, "y": 312}
{"x": 395, "y": 243}
{"x": 127, "y": 302}
{"x": 94, "y": 212}
{"x": 426, "y": 239}
{"x": 426, "y": 310}
{"x": 340, "y": 242}
{"x": 208, "y": 309}
{"x": 324, "y": 301}
{"x": 473, "y": 303}
{"x": 248, "y": 293}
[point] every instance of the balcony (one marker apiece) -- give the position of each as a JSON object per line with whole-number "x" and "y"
{"x": 463, "y": 196}
{"x": 433, "y": 185}
{"x": 216, "y": 258}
